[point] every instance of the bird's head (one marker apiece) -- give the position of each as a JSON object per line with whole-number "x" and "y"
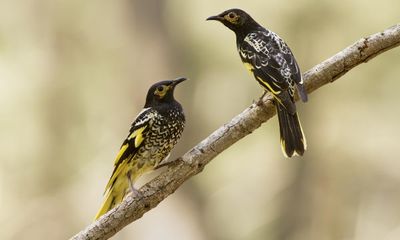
{"x": 162, "y": 92}
{"x": 235, "y": 19}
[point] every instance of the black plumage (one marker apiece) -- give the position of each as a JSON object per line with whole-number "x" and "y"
{"x": 271, "y": 62}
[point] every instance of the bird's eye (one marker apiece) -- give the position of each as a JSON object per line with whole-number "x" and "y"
{"x": 232, "y": 15}
{"x": 160, "y": 88}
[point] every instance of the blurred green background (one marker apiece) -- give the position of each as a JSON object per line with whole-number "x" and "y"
{"x": 74, "y": 74}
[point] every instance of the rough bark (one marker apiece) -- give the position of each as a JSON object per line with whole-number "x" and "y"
{"x": 251, "y": 118}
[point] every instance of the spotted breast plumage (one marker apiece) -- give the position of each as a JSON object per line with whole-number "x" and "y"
{"x": 153, "y": 134}
{"x": 272, "y": 63}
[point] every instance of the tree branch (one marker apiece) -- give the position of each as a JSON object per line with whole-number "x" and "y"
{"x": 193, "y": 162}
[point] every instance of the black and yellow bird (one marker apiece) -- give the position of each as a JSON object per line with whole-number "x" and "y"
{"x": 153, "y": 134}
{"x": 273, "y": 65}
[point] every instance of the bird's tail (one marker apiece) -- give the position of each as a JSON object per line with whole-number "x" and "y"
{"x": 293, "y": 141}
{"x": 112, "y": 197}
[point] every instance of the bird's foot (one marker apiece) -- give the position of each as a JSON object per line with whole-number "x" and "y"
{"x": 136, "y": 192}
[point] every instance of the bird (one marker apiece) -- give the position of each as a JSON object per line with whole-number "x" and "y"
{"x": 269, "y": 59}
{"x": 153, "y": 134}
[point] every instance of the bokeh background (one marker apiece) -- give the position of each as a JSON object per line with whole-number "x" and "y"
{"x": 75, "y": 73}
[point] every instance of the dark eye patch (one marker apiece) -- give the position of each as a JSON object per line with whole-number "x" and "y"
{"x": 160, "y": 88}
{"x": 232, "y": 15}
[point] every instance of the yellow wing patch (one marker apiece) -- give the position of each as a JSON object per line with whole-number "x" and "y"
{"x": 137, "y": 134}
{"x": 121, "y": 151}
{"x": 268, "y": 86}
{"x": 249, "y": 67}
{"x": 121, "y": 167}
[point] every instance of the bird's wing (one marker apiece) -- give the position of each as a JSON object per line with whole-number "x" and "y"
{"x": 132, "y": 143}
{"x": 272, "y": 62}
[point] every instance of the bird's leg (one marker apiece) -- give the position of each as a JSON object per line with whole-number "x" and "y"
{"x": 262, "y": 96}
{"x": 260, "y": 99}
{"x": 164, "y": 162}
{"x": 134, "y": 191}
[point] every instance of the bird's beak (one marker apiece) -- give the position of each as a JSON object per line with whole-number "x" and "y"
{"x": 178, "y": 80}
{"x": 216, "y": 18}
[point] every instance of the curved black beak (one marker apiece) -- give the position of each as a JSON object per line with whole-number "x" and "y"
{"x": 178, "y": 80}
{"x": 216, "y": 18}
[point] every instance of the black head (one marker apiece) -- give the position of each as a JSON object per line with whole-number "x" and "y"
{"x": 236, "y": 20}
{"x": 162, "y": 92}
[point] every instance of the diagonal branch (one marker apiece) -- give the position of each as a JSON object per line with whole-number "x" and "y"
{"x": 193, "y": 162}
